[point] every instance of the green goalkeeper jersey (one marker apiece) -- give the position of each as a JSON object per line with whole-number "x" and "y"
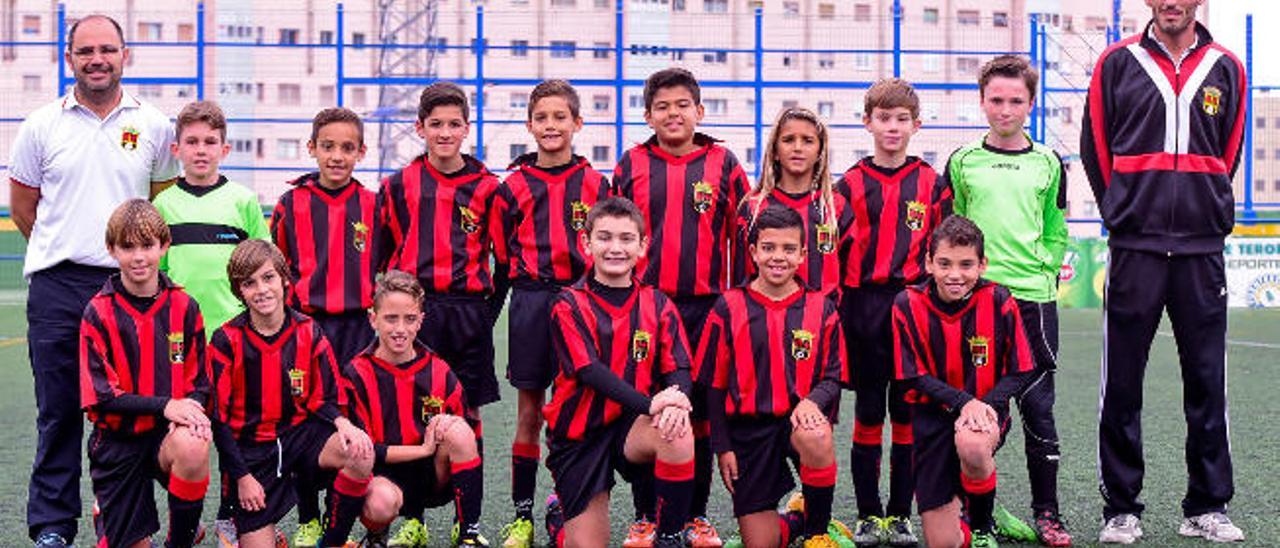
{"x": 206, "y": 223}
{"x": 1017, "y": 198}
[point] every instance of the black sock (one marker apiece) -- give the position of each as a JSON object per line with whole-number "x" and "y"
{"x": 673, "y": 485}
{"x": 702, "y": 465}
{"x": 346, "y": 501}
{"x": 1043, "y": 472}
{"x": 902, "y": 477}
{"x": 643, "y": 497}
{"x": 227, "y": 500}
{"x": 818, "y": 485}
{"x": 524, "y": 477}
{"x": 790, "y": 525}
{"x": 186, "y": 502}
{"x": 308, "y": 497}
{"x": 864, "y": 465}
{"x": 980, "y": 495}
{"x": 468, "y": 495}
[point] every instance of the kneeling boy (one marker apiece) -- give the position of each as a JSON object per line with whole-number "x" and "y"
{"x": 616, "y": 343}
{"x": 962, "y": 350}
{"x": 143, "y": 386}
{"x": 769, "y": 406}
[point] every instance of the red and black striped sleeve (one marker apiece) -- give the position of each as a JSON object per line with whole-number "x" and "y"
{"x": 571, "y": 338}
{"x": 391, "y": 218}
{"x": 674, "y": 359}
{"x": 1018, "y": 357}
{"x": 98, "y": 380}
{"x": 621, "y": 183}
{"x": 220, "y": 365}
{"x": 910, "y": 349}
{"x": 505, "y": 218}
{"x": 325, "y": 397}
{"x": 280, "y": 228}
{"x": 835, "y": 362}
{"x": 197, "y": 379}
{"x": 711, "y": 364}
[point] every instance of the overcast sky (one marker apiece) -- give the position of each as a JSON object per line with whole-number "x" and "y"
{"x": 1227, "y": 22}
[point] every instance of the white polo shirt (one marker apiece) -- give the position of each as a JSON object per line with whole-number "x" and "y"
{"x": 85, "y": 167}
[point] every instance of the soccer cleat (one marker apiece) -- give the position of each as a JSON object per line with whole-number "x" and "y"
{"x": 867, "y": 532}
{"x": 840, "y": 534}
{"x": 518, "y": 534}
{"x": 375, "y": 539}
{"x": 224, "y": 533}
{"x": 308, "y": 533}
{"x": 984, "y": 539}
{"x": 554, "y": 519}
{"x": 733, "y": 542}
{"x": 795, "y": 503}
{"x": 1121, "y": 529}
{"x": 641, "y": 534}
{"x": 699, "y": 533}
{"x": 898, "y": 532}
{"x": 281, "y": 541}
{"x": 1009, "y": 527}
{"x": 1213, "y": 526}
{"x": 49, "y": 539}
{"x": 669, "y": 541}
{"x": 1051, "y": 530}
{"x": 472, "y": 539}
{"x": 411, "y": 534}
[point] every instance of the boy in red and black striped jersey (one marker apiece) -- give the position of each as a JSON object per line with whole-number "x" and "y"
{"x": 542, "y": 208}
{"x": 144, "y": 387}
{"x": 961, "y": 350}
{"x": 687, "y": 186}
{"x": 437, "y": 223}
{"x": 412, "y": 406}
{"x": 896, "y": 200}
{"x": 278, "y": 402}
{"x": 324, "y": 226}
{"x": 617, "y": 342}
{"x": 773, "y": 355}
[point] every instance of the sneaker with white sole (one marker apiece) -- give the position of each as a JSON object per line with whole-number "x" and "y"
{"x": 1213, "y": 526}
{"x": 1121, "y": 529}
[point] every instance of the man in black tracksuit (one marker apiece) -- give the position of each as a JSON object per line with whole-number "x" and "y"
{"x": 1161, "y": 141}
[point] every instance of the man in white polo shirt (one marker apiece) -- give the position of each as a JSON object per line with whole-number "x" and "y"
{"x": 73, "y": 161}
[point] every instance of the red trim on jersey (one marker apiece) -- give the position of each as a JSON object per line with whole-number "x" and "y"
{"x": 306, "y": 253}
{"x": 1165, "y": 161}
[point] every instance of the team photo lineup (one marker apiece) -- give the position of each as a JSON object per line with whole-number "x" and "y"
{"x": 672, "y": 323}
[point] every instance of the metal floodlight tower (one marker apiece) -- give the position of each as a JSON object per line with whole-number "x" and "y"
{"x": 407, "y": 34}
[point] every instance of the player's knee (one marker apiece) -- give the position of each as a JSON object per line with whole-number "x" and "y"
{"x": 461, "y": 442}
{"x": 529, "y": 419}
{"x": 679, "y": 449}
{"x": 360, "y": 466}
{"x": 382, "y": 502}
{"x": 813, "y": 441}
{"x": 189, "y": 451}
{"x": 942, "y": 528}
{"x": 973, "y": 448}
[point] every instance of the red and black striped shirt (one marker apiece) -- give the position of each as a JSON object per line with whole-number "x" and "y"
{"x": 641, "y": 342}
{"x": 267, "y": 385}
{"x": 543, "y": 213}
{"x": 129, "y": 346}
{"x": 828, "y": 237}
{"x": 894, "y": 214}
{"x": 393, "y": 402}
{"x": 688, "y": 203}
{"x": 767, "y": 355}
{"x": 439, "y": 227}
{"x": 327, "y": 238}
{"x": 970, "y": 345}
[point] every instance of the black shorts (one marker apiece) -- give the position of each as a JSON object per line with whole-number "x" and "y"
{"x": 693, "y": 311}
{"x": 935, "y": 462}
{"x": 418, "y": 485}
{"x": 531, "y": 364}
{"x": 1040, "y": 320}
{"x": 583, "y": 469}
{"x": 348, "y": 333}
{"x": 460, "y": 329}
{"x": 123, "y": 467}
{"x": 766, "y": 459}
{"x": 275, "y": 466}
{"x": 868, "y": 335}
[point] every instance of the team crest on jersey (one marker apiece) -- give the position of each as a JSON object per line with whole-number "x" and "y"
{"x": 980, "y": 351}
{"x": 801, "y": 344}
{"x": 578, "y": 218}
{"x": 359, "y": 236}
{"x": 826, "y": 238}
{"x": 297, "y": 381}
{"x": 1212, "y": 102}
{"x": 129, "y": 138}
{"x": 641, "y": 343}
{"x": 470, "y": 221}
{"x": 915, "y": 215}
{"x": 703, "y": 195}
{"x": 431, "y": 406}
{"x": 176, "y": 354}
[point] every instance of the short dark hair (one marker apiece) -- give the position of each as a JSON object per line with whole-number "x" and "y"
{"x": 555, "y": 88}
{"x": 957, "y": 231}
{"x": 136, "y": 222}
{"x": 778, "y": 217}
{"x": 618, "y": 207}
{"x": 248, "y": 257}
{"x": 441, "y": 94}
{"x": 670, "y": 78}
{"x": 396, "y": 281}
{"x": 202, "y": 111}
{"x": 336, "y": 115}
{"x": 71, "y": 34}
{"x": 1008, "y": 66}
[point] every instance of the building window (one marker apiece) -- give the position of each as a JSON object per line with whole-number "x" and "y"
{"x": 751, "y": 156}
{"x": 602, "y": 4}
{"x": 327, "y": 95}
{"x": 635, "y": 101}
{"x": 150, "y": 91}
{"x": 790, "y": 103}
{"x": 519, "y": 48}
{"x": 789, "y": 60}
{"x": 563, "y": 3}
{"x": 519, "y": 101}
{"x": 563, "y": 49}
{"x": 715, "y": 57}
{"x": 326, "y": 37}
{"x": 862, "y": 61}
{"x": 791, "y": 9}
{"x": 1095, "y": 24}
{"x": 357, "y": 39}
{"x": 288, "y": 36}
{"x": 826, "y": 109}
{"x": 289, "y": 94}
{"x": 1260, "y": 185}
{"x": 826, "y": 60}
{"x": 931, "y": 62}
{"x": 1260, "y": 154}
{"x": 150, "y": 32}
{"x": 826, "y": 11}
{"x": 1261, "y": 123}
{"x": 600, "y": 102}
{"x": 677, "y": 5}
{"x": 286, "y": 149}
{"x": 931, "y": 16}
{"x": 718, "y": 107}
{"x": 186, "y": 32}
{"x": 1128, "y": 26}
{"x": 715, "y": 6}
{"x": 600, "y": 153}
{"x": 517, "y": 150}
{"x": 930, "y": 157}
{"x": 31, "y": 82}
{"x": 603, "y": 50}
{"x": 359, "y": 97}
{"x": 1276, "y": 186}
{"x": 862, "y": 12}
{"x": 860, "y": 153}
{"x": 1000, "y": 19}
{"x": 30, "y": 24}
{"x": 967, "y": 18}
{"x": 967, "y": 65}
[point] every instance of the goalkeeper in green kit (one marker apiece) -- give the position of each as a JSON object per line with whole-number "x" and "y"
{"x": 1015, "y": 191}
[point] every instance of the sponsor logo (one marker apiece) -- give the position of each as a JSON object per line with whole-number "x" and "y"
{"x": 826, "y": 238}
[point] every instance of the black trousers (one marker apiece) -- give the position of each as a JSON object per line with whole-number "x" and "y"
{"x": 1039, "y": 429}
{"x": 56, "y": 301}
{"x": 1193, "y": 288}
